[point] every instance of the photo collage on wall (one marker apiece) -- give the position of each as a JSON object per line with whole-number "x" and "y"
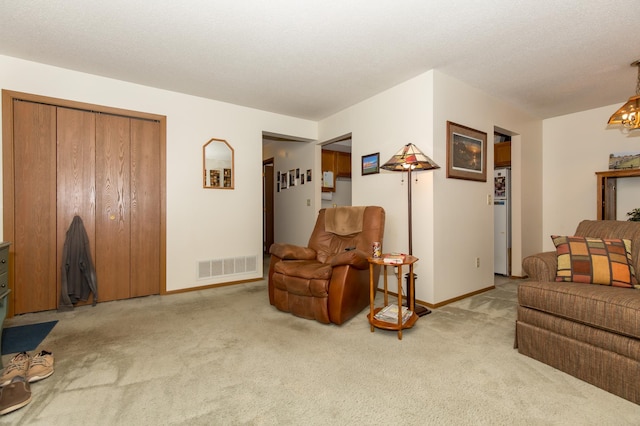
{"x": 291, "y": 178}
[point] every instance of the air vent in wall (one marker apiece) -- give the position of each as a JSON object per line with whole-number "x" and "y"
{"x": 220, "y": 267}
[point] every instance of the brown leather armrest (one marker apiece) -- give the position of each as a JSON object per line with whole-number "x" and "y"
{"x": 291, "y": 251}
{"x": 356, "y": 258}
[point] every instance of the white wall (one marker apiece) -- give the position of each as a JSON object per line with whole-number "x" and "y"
{"x": 463, "y": 218}
{"x": 384, "y": 123}
{"x": 576, "y": 146}
{"x": 452, "y": 223}
{"x": 342, "y": 194}
{"x": 201, "y": 223}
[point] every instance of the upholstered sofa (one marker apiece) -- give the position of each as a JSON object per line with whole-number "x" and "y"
{"x": 328, "y": 280}
{"x": 590, "y": 331}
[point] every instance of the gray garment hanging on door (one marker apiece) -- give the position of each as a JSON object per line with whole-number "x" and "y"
{"x": 78, "y": 273}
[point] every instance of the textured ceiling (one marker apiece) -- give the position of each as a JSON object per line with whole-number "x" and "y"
{"x": 310, "y": 59}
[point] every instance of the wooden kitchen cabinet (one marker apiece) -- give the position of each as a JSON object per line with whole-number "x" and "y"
{"x": 343, "y": 164}
{"x": 502, "y": 154}
{"x": 338, "y": 163}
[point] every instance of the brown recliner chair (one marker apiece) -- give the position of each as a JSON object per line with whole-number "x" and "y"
{"x": 329, "y": 280}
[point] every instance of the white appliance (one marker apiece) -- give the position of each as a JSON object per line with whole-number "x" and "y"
{"x": 502, "y": 221}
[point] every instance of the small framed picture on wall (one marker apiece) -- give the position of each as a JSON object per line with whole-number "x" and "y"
{"x": 371, "y": 164}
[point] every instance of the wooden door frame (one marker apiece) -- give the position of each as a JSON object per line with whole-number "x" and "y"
{"x": 8, "y": 196}
{"x": 268, "y": 207}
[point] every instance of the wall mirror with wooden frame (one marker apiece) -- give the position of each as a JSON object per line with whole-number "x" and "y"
{"x": 218, "y": 164}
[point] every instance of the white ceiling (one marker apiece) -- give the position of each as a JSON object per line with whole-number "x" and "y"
{"x": 312, "y": 58}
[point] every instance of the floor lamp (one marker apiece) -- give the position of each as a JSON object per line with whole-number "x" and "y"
{"x": 408, "y": 159}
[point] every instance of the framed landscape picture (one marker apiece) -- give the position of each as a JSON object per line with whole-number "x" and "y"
{"x": 371, "y": 164}
{"x": 624, "y": 160}
{"x": 466, "y": 153}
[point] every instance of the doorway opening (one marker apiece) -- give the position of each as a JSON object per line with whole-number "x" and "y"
{"x": 287, "y": 167}
{"x": 267, "y": 204}
{"x": 336, "y": 159}
{"x": 502, "y": 202}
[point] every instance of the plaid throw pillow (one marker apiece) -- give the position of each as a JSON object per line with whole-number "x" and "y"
{"x": 594, "y": 261}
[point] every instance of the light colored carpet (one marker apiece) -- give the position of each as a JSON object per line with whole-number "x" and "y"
{"x": 225, "y": 356}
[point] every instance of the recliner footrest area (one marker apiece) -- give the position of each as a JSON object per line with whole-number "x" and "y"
{"x": 309, "y": 307}
{"x": 301, "y": 286}
{"x": 309, "y": 269}
{"x": 302, "y": 277}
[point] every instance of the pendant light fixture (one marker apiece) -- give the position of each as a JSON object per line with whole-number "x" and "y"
{"x": 628, "y": 115}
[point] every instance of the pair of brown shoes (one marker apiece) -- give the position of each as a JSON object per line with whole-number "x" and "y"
{"x": 35, "y": 368}
{"x": 15, "y": 395}
{"x": 22, "y": 370}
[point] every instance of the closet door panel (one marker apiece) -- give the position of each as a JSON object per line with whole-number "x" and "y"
{"x": 34, "y": 245}
{"x": 76, "y": 170}
{"x": 145, "y": 207}
{"x": 113, "y": 212}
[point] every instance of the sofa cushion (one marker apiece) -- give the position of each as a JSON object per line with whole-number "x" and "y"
{"x": 605, "y": 307}
{"x": 594, "y": 336}
{"x": 605, "y": 261}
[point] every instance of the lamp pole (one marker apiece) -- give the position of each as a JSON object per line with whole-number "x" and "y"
{"x": 410, "y": 209}
{"x": 419, "y": 310}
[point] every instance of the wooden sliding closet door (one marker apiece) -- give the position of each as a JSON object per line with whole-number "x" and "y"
{"x": 34, "y": 214}
{"x": 128, "y": 207}
{"x": 113, "y": 207}
{"x": 146, "y": 207}
{"x": 76, "y": 171}
{"x": 66, "y": 159}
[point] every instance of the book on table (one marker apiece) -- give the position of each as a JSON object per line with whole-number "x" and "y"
{"x": 390, "y": 314}
{"x": 393, "y": 258}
